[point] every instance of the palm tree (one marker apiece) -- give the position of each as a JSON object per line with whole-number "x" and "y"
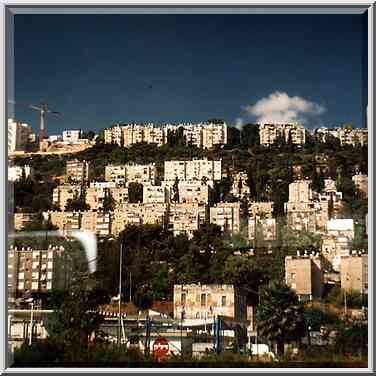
{"x": 280, "y": 315}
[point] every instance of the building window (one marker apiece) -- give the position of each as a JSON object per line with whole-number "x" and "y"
{"x": 203, "y": 300}
{"x": 293, "y": 276}
{"x": 223, "y": 301}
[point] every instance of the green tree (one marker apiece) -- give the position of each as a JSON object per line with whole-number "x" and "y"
{"x": 78, "y": 203}
{"x": 279, "y": 315}
{"x": 249, "y": 135}
{"x": 108, "y": 203}
{"x": 73, "y": 320}
{"x": 175, "y": 190}
{"x": 135, "y": 192}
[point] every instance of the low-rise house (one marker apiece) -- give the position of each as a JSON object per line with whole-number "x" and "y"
{"x": 204, "y": 302}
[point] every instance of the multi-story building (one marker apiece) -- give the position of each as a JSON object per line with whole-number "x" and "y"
{"x": 154, "y": 135}
{"x": 16, "y": 173}
{"x": 202, "y": 135}
{"x": 333, "y": 248}
{"x": 31, "y": 270}
{"x": 227, "y": 216}
{"x": 21, "y": 220}
{"x": 300, "y": 191}
{"x": 72, "y": 135}
{"x": 186, "y": 218}
{"x": 63, "y": 193}
{"x": 116, "y": 174}
{"x": 141, "y": 173}
{"x": 120, "y": 174}
{"x": 303, "y": 212}
{"x": 194, "y": 191}
{"x": 77, "y": 171}
{"x": 354, "y": 273}
{"x": 304, "y": 275}
{"x": 361, "y": 184}
{"x": 98, "y": 222}
{"x": 330, "y": 194}
{"x": 19, "y": 136}
{"x": 194, "y": 170}
{"x": 214, "y": 134}
{"x": 98, "y": 191}
{"x": 146, "y": 213}
{"x": 263, "y": 230}
{"x": 114, "y": 135}
{"x": 132, "y": 134}
{"x": 281, "y": 133}
{"x": 156, "y": 193}
{"x": 346, "y": 136}
{"x": 202, "y": 302}
{"x": 240, "y": 187}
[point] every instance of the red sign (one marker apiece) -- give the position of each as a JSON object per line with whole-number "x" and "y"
{"x": 161, "y": 347}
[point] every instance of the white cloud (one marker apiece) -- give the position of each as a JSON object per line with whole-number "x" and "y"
{"x": 279, "y": 107}
{"x": 239, "y": 122}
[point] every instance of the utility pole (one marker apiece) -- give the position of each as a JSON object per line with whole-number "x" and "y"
{"x": 120, "y": 273}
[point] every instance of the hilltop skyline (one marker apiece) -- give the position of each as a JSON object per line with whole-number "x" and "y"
{"x": 171, "y": 68}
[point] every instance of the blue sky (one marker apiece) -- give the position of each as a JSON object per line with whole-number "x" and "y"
{"x": 101, "y": 69}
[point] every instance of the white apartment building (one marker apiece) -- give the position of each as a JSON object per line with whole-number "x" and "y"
{"x": 96, "y": 194}
{"x": 114, "y": 135}
{"x": 16, "y": 173}
{"x": 77, "y": 171}
{"x": 193, "y": 192}
{"x": 202, "y": 135}
{"x": 154, "y": 135}
{"x": 214, "y": 134}
{"x": 146, "y": 213}
{"x": 289, "y": 133}
{"x": 227, "y": 216}
{"x": 141, "y": 173}
{"x": 19, "y": 136}
{"x": 63, "y": 193}
{"x": 186, "y": 218}
{"x": 72, "y": 135}
{"x": 193, "y": 170}
{"x": 132, "y": 134}
{"x": 303, "y": 212}
{"x": 121, "y": 174}
{"x": 346, "y": 136}
{"x": 116, "y": 174}
{"x": 156, "y": 193}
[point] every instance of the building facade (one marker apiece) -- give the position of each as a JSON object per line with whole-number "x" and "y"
{"x": 200, "y": 302}
{"x": 193, "y": 170}
{"x": 31, "y": 270}
{"x": 304, "y": 275}
{"x": 77, "y": 171}
{"x": 16, "y": 173}
{"x": 20, "y": 135}
{"x": 227, "y": 216}
{"x": 354, "y": 273}
{"x": 271, "y": 134}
